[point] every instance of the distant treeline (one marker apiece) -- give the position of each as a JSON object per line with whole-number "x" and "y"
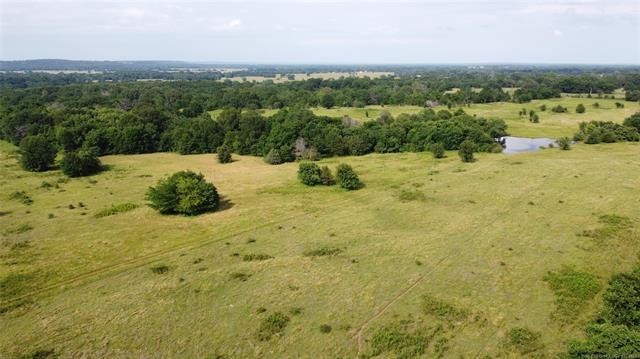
{"x": 198, "y": 90}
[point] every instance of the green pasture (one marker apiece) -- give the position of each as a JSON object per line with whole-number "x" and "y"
{"x": 453, "y": 253}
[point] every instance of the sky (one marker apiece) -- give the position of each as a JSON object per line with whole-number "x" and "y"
{"x": 319, "y": 32}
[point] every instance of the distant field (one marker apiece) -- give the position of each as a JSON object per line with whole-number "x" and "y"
{"x": 551, "y": 124}
{"x": 314, "y": 75}
{"x": 477, "y": 238}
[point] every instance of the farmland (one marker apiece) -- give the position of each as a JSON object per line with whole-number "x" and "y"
{"x": 476, "y": 238}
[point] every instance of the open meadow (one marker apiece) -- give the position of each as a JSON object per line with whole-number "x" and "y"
{"x": 553, "y": 125}
{"x": 441, "y": 254}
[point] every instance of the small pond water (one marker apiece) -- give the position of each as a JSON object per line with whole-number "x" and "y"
{"x": 524, "y": 144}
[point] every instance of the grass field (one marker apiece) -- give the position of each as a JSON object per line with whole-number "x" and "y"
{"x": 551, "y": 124}
{"x": 280, "y": 78}
{"x": 453, "y": 253}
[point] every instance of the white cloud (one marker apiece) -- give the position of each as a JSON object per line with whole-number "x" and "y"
{"x": 227, "y": 25}
{"x": 594, "y": 8}
{"x": 557, "y": 33}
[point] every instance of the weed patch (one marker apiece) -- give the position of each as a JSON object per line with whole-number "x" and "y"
{"x": 272, "y": 325}
{"x": 524, "y": 340}
{"x": 21, "y": 228}
{"x": 240, "y": 276}
{"x": 118, "y": 208}
{"x": 400, "y": 341}
{"x": 322, "y": 252}
{"x": 325, "y": 328}
{"x": 14, "y": 285}
{"x": 612, "y": 226}
{"x": 573, "y": 289}
{"x": 255, "y": 257}
{"x": 411, "y": 195}
{"x": 442, "y": 310}
{"x": 160, "y": 269}
{"x": 22, "y": 197}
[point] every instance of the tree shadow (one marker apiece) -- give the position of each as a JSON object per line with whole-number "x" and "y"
{"x": 225, "y": 203}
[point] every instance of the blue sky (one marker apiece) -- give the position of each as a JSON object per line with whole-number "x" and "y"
{"x": 355, "y": 31}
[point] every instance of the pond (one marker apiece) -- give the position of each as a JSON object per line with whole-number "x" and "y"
{"x": 524, "y": 144}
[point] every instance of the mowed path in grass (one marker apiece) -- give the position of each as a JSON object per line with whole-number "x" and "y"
{"x": 553, "y": 125}
{"x": 480, "y": 236}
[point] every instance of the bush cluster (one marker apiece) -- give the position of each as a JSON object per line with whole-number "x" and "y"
{"x": 594, "y": 132}
{"x": 311, "y": 174}
{"x": 184, "y": 192}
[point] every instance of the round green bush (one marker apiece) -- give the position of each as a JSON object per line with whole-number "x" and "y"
{"x": 347, "y": 178}
{"x": 309, "y": 173}
{"x": 273, "y": 157}
{"x": 37, "y": 153}
{"x": 224, "y": 154}
{"x": 580, "y": 108}
{"x": 83, "y": 162}
{"x": 466, "y": 151}
{"x": 185, "y": 192}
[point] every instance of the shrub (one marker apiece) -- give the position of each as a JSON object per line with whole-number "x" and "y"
{"x": 622, "y": 299}
{"x": 309, "y": 173}
{"x": 596, "y": 105}
{"x": 466, "y": 151}
{"x": 559, "y": 109}
{"x": 273, "y": 157}
{"x": 534, "y": 118}
{"x": 438, "y": 150}
{"x": 564, "y": 143}
{"x": 274, "y": 324}
{"x": 83, "y": 162}
{"x": 580, "y": 108}
{"x": 543, "y": 108}
{"x": 37, "y": 153}
{"x": 347, "y": 178}
{"x": 326, "y": 177}
{"x": 325, "y": 328}
{"x": 224, "y": 154}
{"x": 185, "y": 192}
